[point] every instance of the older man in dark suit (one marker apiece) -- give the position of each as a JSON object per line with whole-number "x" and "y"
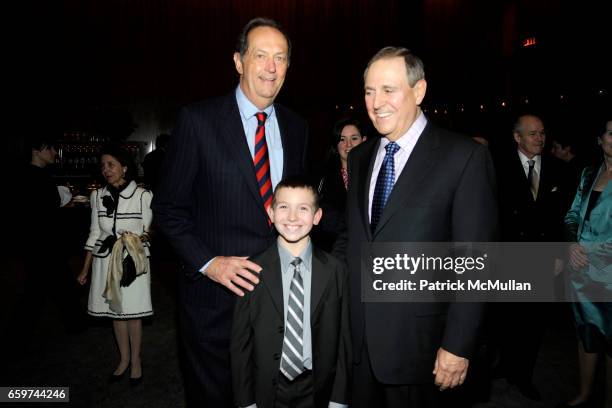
{"x": 225, "y": 157}
{"x": 418, "y": 183}
{"x": 534, "y": 196}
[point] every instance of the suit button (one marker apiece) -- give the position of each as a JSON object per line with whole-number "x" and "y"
{"x": 281, "y": 329}
{"x": 274, "y": 381}
{"x": 276, "y": 356}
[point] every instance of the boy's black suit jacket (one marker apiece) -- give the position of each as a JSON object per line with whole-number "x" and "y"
{"x": 258, "y": 329}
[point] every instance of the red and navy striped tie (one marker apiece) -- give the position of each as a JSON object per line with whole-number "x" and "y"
{"x": 262, "y": 162}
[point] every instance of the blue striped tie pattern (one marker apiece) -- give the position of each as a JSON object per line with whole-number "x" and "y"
{"x": 384, "y": 184}
{"x": 292, "y": 355}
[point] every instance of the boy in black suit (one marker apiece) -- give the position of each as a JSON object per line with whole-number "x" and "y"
{"x": 290, "y": 338}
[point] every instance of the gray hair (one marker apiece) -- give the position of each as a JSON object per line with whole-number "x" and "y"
{"x": 518, "y": 125}
{"x": 414, "y": 65}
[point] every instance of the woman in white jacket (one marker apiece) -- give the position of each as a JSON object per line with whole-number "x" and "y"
{"x": 120, "y": 282}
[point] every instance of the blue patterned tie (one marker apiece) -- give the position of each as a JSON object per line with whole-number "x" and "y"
{"x": 384, "y": 184}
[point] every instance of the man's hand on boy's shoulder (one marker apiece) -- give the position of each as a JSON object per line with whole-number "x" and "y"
{"x": 235, "y": 273}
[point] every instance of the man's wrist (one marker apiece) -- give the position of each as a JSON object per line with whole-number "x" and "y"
{"x": 205, "y": 267}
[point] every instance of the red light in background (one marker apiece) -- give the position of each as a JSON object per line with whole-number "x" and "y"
{"x": 529, "y": 42}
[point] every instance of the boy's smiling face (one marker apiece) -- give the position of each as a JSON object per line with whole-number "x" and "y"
{"x": 293, "y": 213}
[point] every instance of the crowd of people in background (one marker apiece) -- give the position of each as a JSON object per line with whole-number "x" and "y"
{"x": 409, "y": 180}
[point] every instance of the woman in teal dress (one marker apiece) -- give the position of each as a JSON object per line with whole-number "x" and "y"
{"x": 589, "y": 226}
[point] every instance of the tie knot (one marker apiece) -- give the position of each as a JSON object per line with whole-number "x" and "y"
{"x": 296, "y": 261}
{"x": 392, "y": 148}
{"x": 531, "y": 162}
{"x": 261, "y": 117}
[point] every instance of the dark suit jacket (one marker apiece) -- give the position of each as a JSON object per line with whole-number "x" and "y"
{"x": 333, "y": 202}
{"x": 445, "y": 193}
{"x": 523, "y": 219}
{"x": 257, "y": 335}
{"x": 332, "y": 191}
{"x": 208, "y": 203}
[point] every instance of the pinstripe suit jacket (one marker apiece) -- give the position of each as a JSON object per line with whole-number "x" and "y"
{"x": 208, "y": 202}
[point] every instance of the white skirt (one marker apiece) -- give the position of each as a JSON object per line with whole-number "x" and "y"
{"x": 135, "y": 299}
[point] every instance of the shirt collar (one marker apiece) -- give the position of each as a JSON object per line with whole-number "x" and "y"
{"x": 246, "y": 107}
{"x": 525, "y": 159}
{"x": 286, "y": 257}
{"x": 412, "y": 134}
{"x": 127, "y": 192}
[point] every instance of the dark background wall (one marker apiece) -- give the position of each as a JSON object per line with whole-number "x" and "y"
{"x": 102, "y": 63}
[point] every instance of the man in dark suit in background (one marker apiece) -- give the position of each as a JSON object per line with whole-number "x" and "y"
{"x": 45, "y": 260}
{"x": 418, "y": 183}
{"x": 532, "y": 187}
{"x": 533, "y": 197}
{"x": 565, "y": 147}
{"x": 224, "y": 158}
{"x": 153, "y": 161}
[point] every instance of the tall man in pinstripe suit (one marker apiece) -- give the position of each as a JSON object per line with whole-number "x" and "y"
{"x": 211, "y": 201}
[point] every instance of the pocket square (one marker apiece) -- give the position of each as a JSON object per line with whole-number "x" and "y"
{"x": 554, "y": 189}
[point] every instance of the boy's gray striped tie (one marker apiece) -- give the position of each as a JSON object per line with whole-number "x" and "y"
{"x": 292, "y": 358}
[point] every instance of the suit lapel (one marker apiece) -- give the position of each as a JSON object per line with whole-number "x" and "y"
{"x": 419, "y": 163}
{"x": 285, "y": 139}
{"x": 319, "y": 282}
{"x": 589, "y": 179}
{"x": 365, "y": 168}
{"x": 544, "y": 185}
{"x": 272, "y": 278}
{"x": 607, "y": 190}
{"x": 235, "y": 141}
{"x": 518, "y": 174}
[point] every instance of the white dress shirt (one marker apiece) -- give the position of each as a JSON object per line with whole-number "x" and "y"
{"x": 406, "y": 143}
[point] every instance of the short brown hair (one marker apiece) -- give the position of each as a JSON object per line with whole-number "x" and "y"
{"x": 242, "y": 45}
{"x": 297, "y": 182}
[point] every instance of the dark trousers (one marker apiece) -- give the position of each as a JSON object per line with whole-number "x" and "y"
{"x": 206, "y": 369}
{"x": 47, "y": 278}
{"x": 368, "y": 392}
{"x": 205, "y": 330}
{"x": 520, "y": 328}
{"x": 295, "y": 394}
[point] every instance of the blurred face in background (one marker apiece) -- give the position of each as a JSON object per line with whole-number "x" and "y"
{"x": 112, "y": 170}
{"x": 605, "y": 141}
{"x": 45, "y": 156}
{"x": 531, "y": 136}
{"x": 349, "y": 138}
{"x": 560, "y": 152}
